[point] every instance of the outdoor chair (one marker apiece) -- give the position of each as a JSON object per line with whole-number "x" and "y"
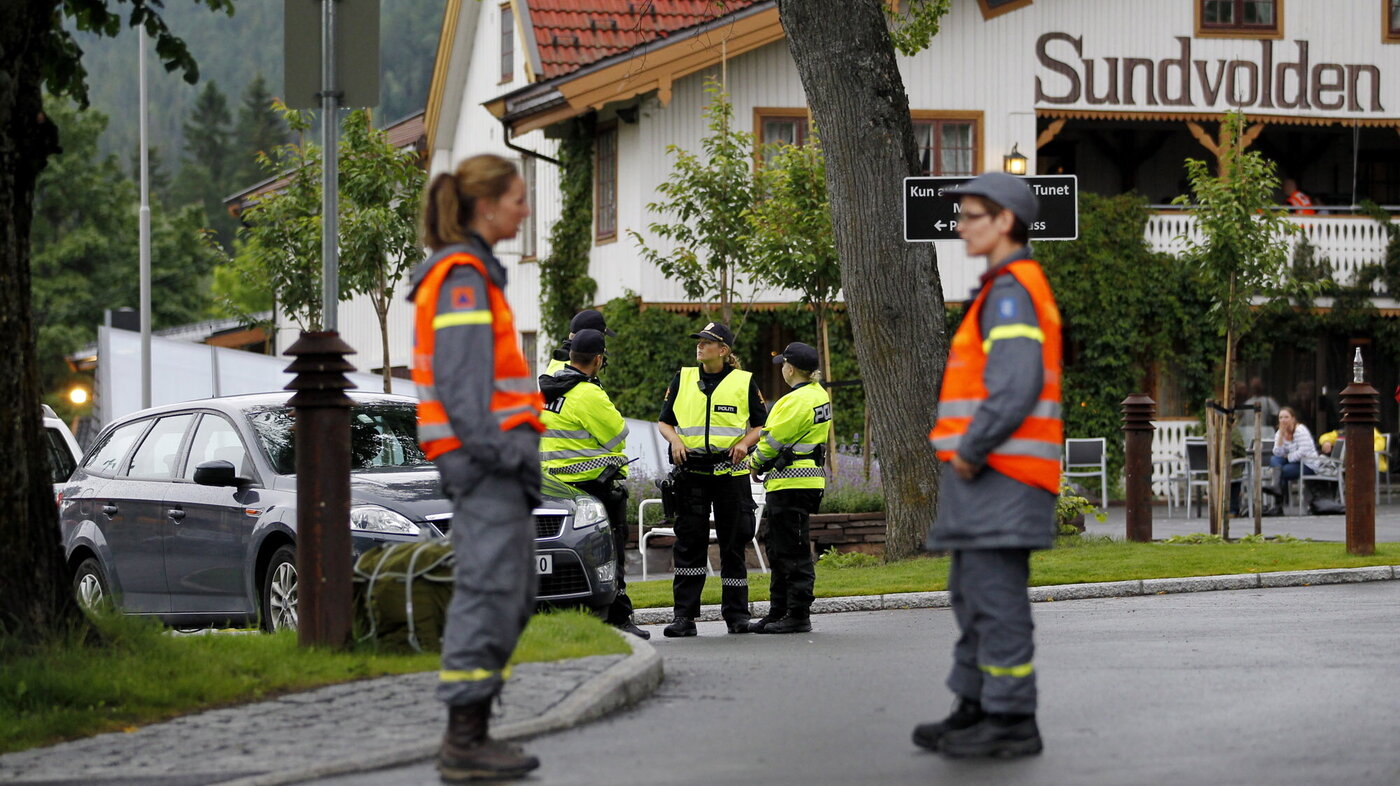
{"x": 1339, "y": 452}
{"x": 1087, "y": 458}
{"x": 1197, "y": 471}
{"x": 646, "y": 532}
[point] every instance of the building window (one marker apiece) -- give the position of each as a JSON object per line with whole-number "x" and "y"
{"x": 1236, "y": 18}
{"x": 1391, "y": 10}
{"x": 779, "y": 127}
{"x": 530, "y": 348}
{"x": 949, "y": 144}
{"x": 605, "y": 177}
{"x": 507, "y": 42}
{"x": 527, "y": 227}
{"x": 995, "y": 8}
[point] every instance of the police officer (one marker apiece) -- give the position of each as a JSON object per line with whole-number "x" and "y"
{"x": 588, "y": 319}
{"x": 998, "y": 435}
{"x": 711, "y": 416}
{"x": 479, "y": 421}
{"x": 791, "y": 454}
{"x": 583, "y": 445}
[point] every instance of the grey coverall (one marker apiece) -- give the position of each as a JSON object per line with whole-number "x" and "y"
{"x": 992, "y": 522}
{"x": 493, "y": 481}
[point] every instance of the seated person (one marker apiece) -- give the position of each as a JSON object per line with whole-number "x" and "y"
{"x": 1294, "y": 455}
{"x": 1328, "y": 440}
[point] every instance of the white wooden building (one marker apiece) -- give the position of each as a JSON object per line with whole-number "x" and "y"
{"x": 1117, "y": 92}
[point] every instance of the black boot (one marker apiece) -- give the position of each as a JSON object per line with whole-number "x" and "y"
{"x": 757, "y": 626}
{"x": 967, "y": 712}
{"x": 629, "y": 626}
{"x": 680, "y": 628}
{"x": 1001, "y": 736}
{"x": 739, "y": 625}
{"x": 469, "y": 754}
{"x": 792, "y": 622}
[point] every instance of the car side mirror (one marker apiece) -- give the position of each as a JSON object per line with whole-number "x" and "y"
{"x": 217, "y": 473}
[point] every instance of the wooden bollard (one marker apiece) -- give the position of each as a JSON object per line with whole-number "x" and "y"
{"x": 1138, "y": 412}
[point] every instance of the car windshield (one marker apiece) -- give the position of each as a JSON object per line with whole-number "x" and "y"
{"x": 381, "y": 436}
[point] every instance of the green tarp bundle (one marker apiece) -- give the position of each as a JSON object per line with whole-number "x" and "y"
{"x": 401, "y": 594}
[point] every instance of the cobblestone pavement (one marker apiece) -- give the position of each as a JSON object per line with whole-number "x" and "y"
{"x": 294, "y": 732}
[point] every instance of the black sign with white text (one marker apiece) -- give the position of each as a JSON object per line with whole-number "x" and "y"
{"x": 928, "y": 215}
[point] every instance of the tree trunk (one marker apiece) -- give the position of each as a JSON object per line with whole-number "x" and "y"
{"x": 892, "y": 289}
{"x": 824, "y": 358}
{"x": 381, "y": 310}
{"x": 37, "y": 599}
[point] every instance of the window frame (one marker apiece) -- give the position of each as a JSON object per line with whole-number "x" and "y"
{"x": 507, "y": 43}
{"x": 187, "y": 469}
{"x": 764, "y": 114}
{"x": 988, "y": 12}
{"x": 1390, "y": 33}
{"x": 181, "y": 448}
{"x": 938, "y": 116}
{"x": 1239, "y": 29}
{"x": 601, "y": 234}
{"x": 138, "y": 427}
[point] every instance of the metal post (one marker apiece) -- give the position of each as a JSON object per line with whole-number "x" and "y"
{"x": 330, "y": 183}
{"x": 1360, "y": 413}
{"x": 1256, "y": 488}
{"x": 144, "y": 232}
{"x": 1138, "y": 412}
{"x": 323, "y": 487}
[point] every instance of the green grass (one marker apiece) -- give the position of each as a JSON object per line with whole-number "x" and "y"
{"x": 1075, "y": 561}
{"x": 139, "y": 675}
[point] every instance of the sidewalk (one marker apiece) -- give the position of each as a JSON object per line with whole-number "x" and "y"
{"x": 351, "y": 727}
{"x": 1328, "y": 528}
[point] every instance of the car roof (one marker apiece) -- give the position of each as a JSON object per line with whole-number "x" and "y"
{"x": 251, "y": 401}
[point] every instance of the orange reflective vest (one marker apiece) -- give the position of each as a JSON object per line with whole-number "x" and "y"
{"x": 515, "y": 399}
{"x": 1032, "y": 453}
{"x": 1299, "y": 199}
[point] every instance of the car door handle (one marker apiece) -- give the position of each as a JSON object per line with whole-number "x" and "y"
{"x": 176, "y": 513}
{"x": 110, "y": 510}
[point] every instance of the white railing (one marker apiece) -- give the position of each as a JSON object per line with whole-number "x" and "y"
{"x": 1349, "y": 242}
{"x": 1169, "y": 450}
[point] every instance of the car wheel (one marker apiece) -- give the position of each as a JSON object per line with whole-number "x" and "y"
{"x": 90, "y": 586}
{"x": 279, "y": 591}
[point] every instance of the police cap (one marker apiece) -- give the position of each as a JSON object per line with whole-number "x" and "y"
{"x": 801, "y": 356}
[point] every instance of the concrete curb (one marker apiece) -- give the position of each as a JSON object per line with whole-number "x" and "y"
{"x": 620, "y": 685}
{"x": 1058, "y": 592}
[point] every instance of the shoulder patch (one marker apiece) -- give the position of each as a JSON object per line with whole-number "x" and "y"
{"x": 1006, "y": 308}
{"x": 464, "y": 298}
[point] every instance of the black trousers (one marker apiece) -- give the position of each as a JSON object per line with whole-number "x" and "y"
{"x": 729, "y": 498}
{"x": 615, "y": 502}
{"x": 789, "y": 550}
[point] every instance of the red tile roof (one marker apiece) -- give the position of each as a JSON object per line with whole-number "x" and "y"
{"x": 574, "y": 33}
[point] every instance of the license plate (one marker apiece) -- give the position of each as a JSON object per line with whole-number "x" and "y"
{"x": 544, "y": 564}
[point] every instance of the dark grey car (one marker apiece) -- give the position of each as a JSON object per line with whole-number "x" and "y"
{"x": 187, "y": 512}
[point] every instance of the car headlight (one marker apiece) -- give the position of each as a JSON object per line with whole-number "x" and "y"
{"x": 374, "y": 518}
{"x": 589, "y": 512}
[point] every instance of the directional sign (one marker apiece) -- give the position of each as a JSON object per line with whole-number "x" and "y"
{"x": 929, "y": 215}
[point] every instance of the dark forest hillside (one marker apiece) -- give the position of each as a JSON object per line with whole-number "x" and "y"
{"x": 232, "y": 51}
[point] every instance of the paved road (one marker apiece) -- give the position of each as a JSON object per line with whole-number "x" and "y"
{"x": 1276, "y": 687}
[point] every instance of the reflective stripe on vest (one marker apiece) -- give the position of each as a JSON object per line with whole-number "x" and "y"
{"x": 713, "y": 423}
{"x": 515, "y": 399}
{"x": 795, "y": 415}
{"x": 1031, "y": 454}
{"x": 575, "y": 454}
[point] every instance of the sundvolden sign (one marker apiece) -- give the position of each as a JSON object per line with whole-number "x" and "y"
{"x": 929, "y": 215}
